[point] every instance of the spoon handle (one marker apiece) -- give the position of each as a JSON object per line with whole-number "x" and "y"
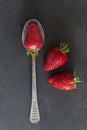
{"x": 34, "y": 111}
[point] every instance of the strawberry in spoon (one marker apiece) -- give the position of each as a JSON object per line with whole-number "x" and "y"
{"x": 33, "y": 36}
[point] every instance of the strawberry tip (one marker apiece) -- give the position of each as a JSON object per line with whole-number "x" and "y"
{"x": 50, "y": 80}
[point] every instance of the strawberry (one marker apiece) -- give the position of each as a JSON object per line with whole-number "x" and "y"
{"x": 64, "y": 81}
{"x": 56, "y": 57}
{"x": 33, "y": 40}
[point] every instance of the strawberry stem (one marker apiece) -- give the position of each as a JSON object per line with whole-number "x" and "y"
{"x": 32, "y": 53}
{"x": 64, "y": 47}
{"x": 76, "y": 80}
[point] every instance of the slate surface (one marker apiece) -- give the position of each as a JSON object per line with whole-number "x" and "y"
{"x": 62, "y": 21}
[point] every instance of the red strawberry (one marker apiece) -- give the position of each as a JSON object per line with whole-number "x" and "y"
{"x": 56, "y": 57}
{"x": 33, "y": 40}
{"x": 63, "y": 81}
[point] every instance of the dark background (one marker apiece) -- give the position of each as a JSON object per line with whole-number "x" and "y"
{"x": 62, "y": 20}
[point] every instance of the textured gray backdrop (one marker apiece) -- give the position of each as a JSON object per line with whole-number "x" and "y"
{"x": 62, "y": 20}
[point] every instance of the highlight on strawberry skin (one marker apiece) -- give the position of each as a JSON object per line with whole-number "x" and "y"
{"x": 64, "y": 81}
{"x": 56, "y": 57}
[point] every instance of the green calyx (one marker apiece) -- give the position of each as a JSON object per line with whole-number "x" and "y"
{"x": 32, "y": 53}
{"x": 76, "y": 80}
{"x": 64, "y": 47}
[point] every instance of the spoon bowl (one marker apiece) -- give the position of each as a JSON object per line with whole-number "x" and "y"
{"x": 26, "y": 28}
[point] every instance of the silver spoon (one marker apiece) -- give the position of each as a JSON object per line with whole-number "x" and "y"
{"x": 34, "y": 110}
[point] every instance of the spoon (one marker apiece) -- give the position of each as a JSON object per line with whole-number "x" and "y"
{"x": 34, "y": 110}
